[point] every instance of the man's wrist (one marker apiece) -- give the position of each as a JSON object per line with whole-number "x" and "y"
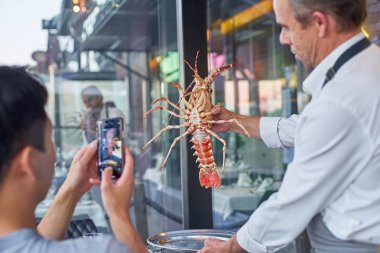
{"x": 235, "y": 247}
{"x": 249, "y": 123}
{"x": 118, "y": 214}
{"x": 70, "y": 193}
{"x": 125, "y": 232}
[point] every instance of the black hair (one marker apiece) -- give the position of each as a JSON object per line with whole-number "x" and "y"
{"x": 22, "y": 114}
{"x": 349, "y": 14}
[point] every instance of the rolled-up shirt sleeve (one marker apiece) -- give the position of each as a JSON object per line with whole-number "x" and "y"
{"x": 278, "y": 132}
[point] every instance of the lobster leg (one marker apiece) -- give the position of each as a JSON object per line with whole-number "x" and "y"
{"x": 191, "y": 85}
{"x": 160, "y": 107}
{"x": 161, "y": 131}
{"x": 180, "y": 90}
{"x": 172, "y": 146}
{"x": 224, "y": 145}
{"x": 169, "y": 102}
{"x": 231, "y": 121}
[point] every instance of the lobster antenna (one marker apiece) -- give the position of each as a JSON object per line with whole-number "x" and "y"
{"x": 190, "y": 86}
{"x": 196, "y": 62}
{"x": 188, "y": 64}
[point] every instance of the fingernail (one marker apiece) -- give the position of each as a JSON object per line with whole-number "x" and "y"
{"x": 93, "y": 144}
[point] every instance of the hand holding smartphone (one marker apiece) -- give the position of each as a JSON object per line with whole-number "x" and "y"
{"x": 111, "y": 146}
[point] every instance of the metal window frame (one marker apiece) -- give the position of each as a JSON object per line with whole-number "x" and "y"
{"x": 191, "y": 32}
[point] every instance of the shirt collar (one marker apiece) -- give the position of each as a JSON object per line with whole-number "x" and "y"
{"x": 313, "y": 83}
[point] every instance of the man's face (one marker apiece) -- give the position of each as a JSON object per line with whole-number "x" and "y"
{"x": 44, "y": 162}
{"x": 302, "y": 40}
{"x": 91, "y": 101}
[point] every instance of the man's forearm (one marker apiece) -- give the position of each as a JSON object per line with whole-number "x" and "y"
{"x": 125, "y": 232}
{"x": 56, "y": 221}
{"x": 250, "y": 123}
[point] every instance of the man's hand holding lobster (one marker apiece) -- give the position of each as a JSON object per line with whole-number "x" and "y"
{"x": 250, "y": 123}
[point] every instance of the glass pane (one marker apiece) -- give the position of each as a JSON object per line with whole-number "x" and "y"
{"x": 163, "y": 184}
{"x": 256, "y": 87}
{"x": 263, "y": 82}
{"x": 102, "y": 59}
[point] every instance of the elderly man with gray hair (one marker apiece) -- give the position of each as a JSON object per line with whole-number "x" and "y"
{"x": 332, "y": 186}
{"x": 93, "y": 100}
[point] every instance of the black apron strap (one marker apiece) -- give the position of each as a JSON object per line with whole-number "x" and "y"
{"x": 345, "y": 57}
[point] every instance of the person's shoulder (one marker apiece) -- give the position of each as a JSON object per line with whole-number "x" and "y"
{"x": 102, "y": 244}
{"x": 21, "y": 241}
{"x": 29, "y": 241}
{"x": 115, "y": 112}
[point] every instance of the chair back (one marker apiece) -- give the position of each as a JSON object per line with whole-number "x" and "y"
{"x": 80, "y": 225}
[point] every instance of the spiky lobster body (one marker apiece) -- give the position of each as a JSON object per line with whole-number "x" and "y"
{"x": 198, "y": 121}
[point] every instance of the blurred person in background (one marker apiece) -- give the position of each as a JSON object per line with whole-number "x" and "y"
{"x": 96, "y": 110}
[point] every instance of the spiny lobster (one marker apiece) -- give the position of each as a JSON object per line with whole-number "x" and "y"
{"x": 198, "y": 121}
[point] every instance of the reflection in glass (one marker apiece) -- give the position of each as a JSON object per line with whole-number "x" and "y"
{"x": 248, "y": 36}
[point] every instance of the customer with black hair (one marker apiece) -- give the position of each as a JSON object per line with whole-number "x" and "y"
{"x": 27, "y": 157}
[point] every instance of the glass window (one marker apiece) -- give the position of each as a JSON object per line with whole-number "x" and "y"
{"x": 264, "y": 82}
{"x": 103, "y": 59}
{"x": 163, "y": 184}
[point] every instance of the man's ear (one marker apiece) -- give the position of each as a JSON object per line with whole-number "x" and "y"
{"x": 323, "y": 23}
{"x": 23, "y": 164}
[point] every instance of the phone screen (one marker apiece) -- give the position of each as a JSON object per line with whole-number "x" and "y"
{"x": 110, "y": 146}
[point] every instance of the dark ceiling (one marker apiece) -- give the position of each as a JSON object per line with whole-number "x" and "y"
{"x": 120, "y": 25}
{"x": 130, "y": 27}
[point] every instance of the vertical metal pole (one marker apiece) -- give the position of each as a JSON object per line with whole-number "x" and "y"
{"x": 131, "y": 91}
{"x": 57, "y": 115}
{"x": 192, "y": 36}
{"x": 139, "y": 193}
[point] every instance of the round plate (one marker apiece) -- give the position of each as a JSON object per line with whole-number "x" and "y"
{"x": 187, "y": 240}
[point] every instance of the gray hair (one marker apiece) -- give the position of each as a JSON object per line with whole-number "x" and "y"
{"x": 91, "y": 91}
{"x": 349, "y": 14}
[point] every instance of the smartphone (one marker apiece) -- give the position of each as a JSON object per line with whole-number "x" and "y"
{"x": 111, "y": 146}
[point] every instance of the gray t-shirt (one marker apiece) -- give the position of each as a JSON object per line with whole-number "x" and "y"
{"x": 29, "y": 241}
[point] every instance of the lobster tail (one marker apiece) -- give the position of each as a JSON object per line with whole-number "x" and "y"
{"x": 209, "y": 178}
{"x": 208, "y": 173}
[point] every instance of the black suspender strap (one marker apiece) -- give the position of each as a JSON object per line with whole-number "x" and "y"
{"x": 345, "y": 57}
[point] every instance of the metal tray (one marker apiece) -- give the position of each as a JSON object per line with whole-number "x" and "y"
{"x": 186, "y": 240}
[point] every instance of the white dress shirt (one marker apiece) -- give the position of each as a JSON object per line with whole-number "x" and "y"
{"x": 336, "y": 166}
